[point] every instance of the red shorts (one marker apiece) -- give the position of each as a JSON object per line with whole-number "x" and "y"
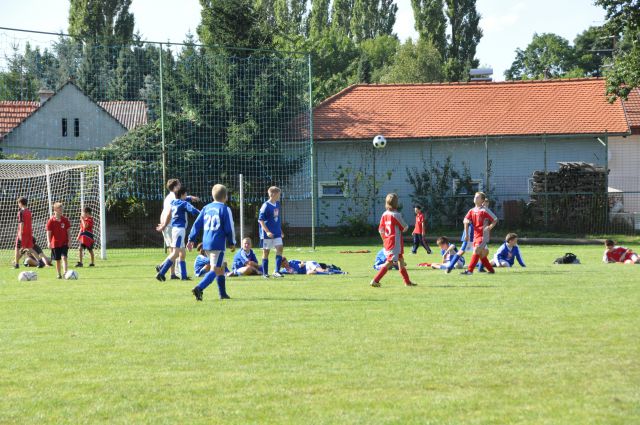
{"x": 479, "y": 242}
{"x": 27, "y": 243}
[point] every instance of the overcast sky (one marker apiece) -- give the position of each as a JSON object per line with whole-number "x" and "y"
{"x": 507, "y": 24}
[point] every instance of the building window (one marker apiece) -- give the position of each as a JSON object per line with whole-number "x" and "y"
{"x": 331, "y": 189}
{"x": 76, "y": 127}
{"x": 64, "y": 127}
{"x": 474, "y": 186}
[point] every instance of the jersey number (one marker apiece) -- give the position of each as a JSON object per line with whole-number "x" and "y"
{"x": 211, "y": 222}
{"x": 387, "y": 229}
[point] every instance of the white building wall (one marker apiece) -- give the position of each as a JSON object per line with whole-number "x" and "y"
{"x": 624, "y": 163}
{"x": 41, "y": 133}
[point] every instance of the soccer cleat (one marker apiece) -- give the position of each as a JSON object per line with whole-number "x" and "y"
{"x": 197, "y": 292}
{"x": 59, "y": 276}
{"x": 78, "y": 264}
{"x": 92, "y": 265}
{"x": 225, "y": 297}
{"x": 429, "y": 251}
{"x": 276, "y": 274}
{"x": 16, "y": 265}
{"x": 186, "y": 278}
{"x": 410, "y": 284}
{"x": 265, "y": 276}
{"x": 467, "y": 272}
{"x": 482, "y": 270}
{"x": 448, "y": 271}
{"x": 158, "y": 267}
{"x": 161, "y": 277}
{"x": 375, "y": 284}
{"x": 492, "y": 272}
{"x": 174, "y": 277}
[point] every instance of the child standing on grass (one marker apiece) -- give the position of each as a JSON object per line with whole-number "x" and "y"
{"x": 271, "y": 231}
{"x": 24, "y": 237}
{"x": 483, "y": 221}
{"x": 216, "y": 224}
{"x": 58, "y": 228}
{"x": 86, "y": 237}
{"x": 391, "y": 227}
{"x": 419, "y": 232}
{"x": 508, "y": 253}
{"x": 619, "y": 254}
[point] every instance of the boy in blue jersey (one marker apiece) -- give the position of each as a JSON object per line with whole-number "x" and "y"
{"x": 201, "y": 264}
{"x": 180, "y": 209}
{"x": 216, "y": 224}
{"x": 381, "y": 259}
{"x": 463, "y": 248}
{"x": 271, "y": 231}
{"x": 448, "y": 252}
{"x": 508, "y": 253}
{"x": 245, "y": 262}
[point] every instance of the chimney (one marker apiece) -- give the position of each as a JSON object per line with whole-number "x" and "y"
{"x": 481, "y": 74}
{"x": 44, "y": 95}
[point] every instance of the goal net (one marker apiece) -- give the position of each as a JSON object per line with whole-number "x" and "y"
{"x": 76, "y": 184}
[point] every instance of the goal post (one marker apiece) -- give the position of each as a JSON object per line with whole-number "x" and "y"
{"x": 77, "y": 184}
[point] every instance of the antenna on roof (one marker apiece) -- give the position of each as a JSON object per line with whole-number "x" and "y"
{"x": 481, "y": 74}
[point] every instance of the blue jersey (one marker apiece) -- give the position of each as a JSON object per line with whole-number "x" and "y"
{"x": 297, "y": 267}
{"x": 270, "y": 214}
{"x": 380, "y": 259}
{"x": 509, "y": 255}
{"x": 179, "y": 211}
{"x": 199, "y": 265}
{"x": 216, "y": 223}
{"x": 462, "y": 239}
{"x": 241, "y": 258}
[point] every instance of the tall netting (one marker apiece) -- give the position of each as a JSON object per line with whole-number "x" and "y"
{"x": 75, "y": 184}
{"x": 153, "y": 112}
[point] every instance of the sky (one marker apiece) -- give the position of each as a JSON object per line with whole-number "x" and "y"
{"x": 506, "y": 24}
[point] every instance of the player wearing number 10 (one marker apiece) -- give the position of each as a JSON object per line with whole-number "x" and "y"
{"x": 216, "y": 224}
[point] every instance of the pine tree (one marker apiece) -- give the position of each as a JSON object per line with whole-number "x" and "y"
{"x": 431, "y": 23}
{"x": 464, "y": 21}
{"x": 105, "y": 22}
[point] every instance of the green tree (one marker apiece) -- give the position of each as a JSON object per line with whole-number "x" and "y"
{"x": 431, "y": 23}
{"x": 370, "y": 18}
{"x": 105, "y": 22}
{"x": 18, "y": 82}
{"x": 623, "y": 17}
{"x": 341, "y": 16}
{"x": 547, "y": 56}
{"x": 591, "y": 50}
{"x": 93, "y": 75}
{"x": 418, "y": 62}
{"x": 464, "y": 22}
{"x": 318, "y": 18}
{"x": 379, "y": 54}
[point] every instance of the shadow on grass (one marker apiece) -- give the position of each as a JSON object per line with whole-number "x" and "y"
{"x": 311, "y": 299}
{"x": 461, "y": 286}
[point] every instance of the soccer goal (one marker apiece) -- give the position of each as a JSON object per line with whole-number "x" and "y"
{"x": 77, "y": 184}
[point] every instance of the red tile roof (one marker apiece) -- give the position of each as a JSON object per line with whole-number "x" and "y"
{"x": 131, "y": 114}
{"x": 632, "y": 108}
{"x": 13, "y": 112}
{"x": 577, "y": 106}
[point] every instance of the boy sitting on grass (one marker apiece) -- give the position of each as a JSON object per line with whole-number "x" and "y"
{"x": 508, "y": 253}
{"x": 619, "y": 254}
{"x": 245, "y": 262}
{"x": 448, "y": 251}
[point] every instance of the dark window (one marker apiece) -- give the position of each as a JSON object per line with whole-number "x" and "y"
{"x": 76, "y": 127}
{"x": 64, "y": 127}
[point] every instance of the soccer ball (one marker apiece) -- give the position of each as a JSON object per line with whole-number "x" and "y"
{"x": 27, "y": 276}
{"x": 379, "y": 141}
{"x": 71, "y": 275}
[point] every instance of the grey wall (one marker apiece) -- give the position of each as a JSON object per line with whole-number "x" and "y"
{"x": 41, "y": 133}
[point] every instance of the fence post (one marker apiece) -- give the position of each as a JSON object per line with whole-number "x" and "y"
{"x": 164, "y": 151}
{"x": 546, "y": 189}
{"x": 486, "y": 163}
{"x": 606, "y": 180}
{"x": 314, "y": 186}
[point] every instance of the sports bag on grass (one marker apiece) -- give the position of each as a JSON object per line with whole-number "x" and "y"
{"x": 568, "y": 258}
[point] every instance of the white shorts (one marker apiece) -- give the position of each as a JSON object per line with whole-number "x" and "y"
{"x": 216, "y": 258}
{"x": 271, "y": 243}
{"x": 311, "y": 266}
{"x": 459, "y": 265}
{"x": 500, "y": 263}
{"x": 177, "y": 237}
{"x": 166, "y": 234}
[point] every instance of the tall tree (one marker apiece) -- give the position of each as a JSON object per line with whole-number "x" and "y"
{"x": 418, "y": 62}
{"x": 591, "y": 48}
{"x": 431, "y": 23}
{"x": 370, "y": 18}
{"x": 318, "y": 18}
{"x": 464, "y": 22}
{"x": 623, "y": 17}
{"x": 105, "y": 22}
{"x": 547, "y": 56}
{"x": 341, "y": 16}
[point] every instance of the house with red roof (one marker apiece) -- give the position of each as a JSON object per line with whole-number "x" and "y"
{"x": 65, "y": 123}
{"x": 500, "y": 132}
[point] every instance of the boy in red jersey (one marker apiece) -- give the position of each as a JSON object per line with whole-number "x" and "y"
{"x": 419, "y": 232}
{"x": 58, "y": 228}
{"x": 619, "y": 254}
{"x": 24, "y": 237}
{"x": 483, "y": 221}
{"x": 85, "y": 237}
{"x": 391, "y": 227}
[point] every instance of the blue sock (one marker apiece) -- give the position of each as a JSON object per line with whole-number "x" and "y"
{"x": 165, "y": 266}
{"x": 453, "y": 262}
{"x": 183, "y": 269}
{"x": 206, "y": 280}
{"x": 278, "y": 263}
{"x": 222, "y": 286}
{"x": 265, "y": 266}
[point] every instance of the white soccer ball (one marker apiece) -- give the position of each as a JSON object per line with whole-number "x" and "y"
{"x": 27, "y": 276}
{"x": 379, "y": 141}
{"x": 71, "y": 275}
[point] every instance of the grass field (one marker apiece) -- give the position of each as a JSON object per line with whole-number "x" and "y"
{"x": 542, "y": 345}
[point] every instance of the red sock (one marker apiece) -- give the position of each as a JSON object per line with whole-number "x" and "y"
{"x": 487, "y": 264}
{"x": 378, "y": 277}
{"x": 405, "y": 276}
{"x": 474, "y": 262}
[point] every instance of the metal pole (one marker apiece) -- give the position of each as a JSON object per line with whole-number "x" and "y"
{"x": 314, "y": 188}
{"x": 546, "y": 194}
{"x": 486, "y": 163}
{"x": 164, "y": 150}
{"x": 49, "y": 195}
{"x": 103, "y": 214}
{"x": 81, "y": 191}
{"x": 241, "y": 183}
{"x": 606, "y": 178}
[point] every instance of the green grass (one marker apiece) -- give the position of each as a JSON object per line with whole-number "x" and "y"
{"x": 542, "y": 345}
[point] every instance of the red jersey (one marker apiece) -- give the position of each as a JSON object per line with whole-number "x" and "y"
{"x": 86, "y": 231}
{"x": 26, "y": 235}
{"x": 59, "y": 231}
{"x": 391, "y": 226}
{"x": 618, "y": 254}
{"x": 417, "y": 230}
{"x": 477, "y": 216}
